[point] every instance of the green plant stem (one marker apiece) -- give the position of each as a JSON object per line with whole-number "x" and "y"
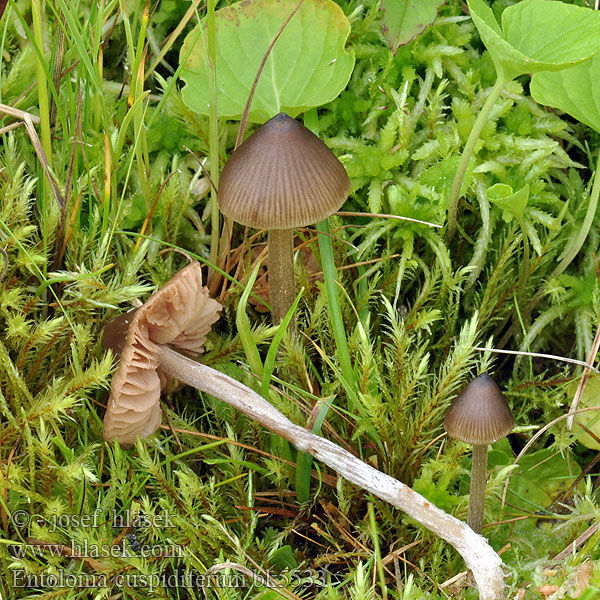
{"x": 213, "y": 135}
{"x": 481, "y": 120}
{"x": 38, "y": 33}
{"x": 335, "y": 311}
{"x": 478, "y": 485}
{"x": 281, "y": 273}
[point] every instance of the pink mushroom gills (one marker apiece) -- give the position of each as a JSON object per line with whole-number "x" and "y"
{"x": 480, "y": 416}
{"x": 282, "y": 177}
{"x": 178, "y": 317}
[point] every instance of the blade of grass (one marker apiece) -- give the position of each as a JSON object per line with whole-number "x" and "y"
{"x": 44, "y": 104}
{"x": 378, "y": 563}
{"x": 274, "y": 347}
{"x": 335, "y": 311}
{"x": 243, "y": 327}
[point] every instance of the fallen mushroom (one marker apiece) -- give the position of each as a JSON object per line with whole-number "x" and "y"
{"x": 180, "y": 314}
{"x": 479, "y": 416}
{"x": 153, "y": 329}
{"x": 282, "y": 177}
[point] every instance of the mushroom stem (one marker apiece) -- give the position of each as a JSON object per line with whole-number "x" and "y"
{"x": 478, "y": 485}
{"x": 477, "y": 553}
{"x": 281, "y": 272}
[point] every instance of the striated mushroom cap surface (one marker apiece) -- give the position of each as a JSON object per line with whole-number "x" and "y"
{"x": 180, "y": 314}
{"x": 283, "y": 176}
{"x": 479, "y": 415}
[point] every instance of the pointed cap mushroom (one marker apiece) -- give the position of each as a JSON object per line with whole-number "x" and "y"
{"x": 180, "y": 314}
{"x": 480, "y": 414}
{"x": 282, "y": 177}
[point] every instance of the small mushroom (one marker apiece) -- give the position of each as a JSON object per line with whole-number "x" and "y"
{"x": 479, "y": 416}
{"x": 283, "y": 176}
{"x": 180, "y": 315}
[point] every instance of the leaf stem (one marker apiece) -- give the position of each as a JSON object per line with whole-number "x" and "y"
{"x": 213, "y": 140}
{"x": 481, "y": 120}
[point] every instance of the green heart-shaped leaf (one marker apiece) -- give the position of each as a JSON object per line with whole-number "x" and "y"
{"x": 537, "y": 35}
{"x": 511, "y": 203}
{"x": 575, "y": 91}
{"x": 404, "y": 20}
{"x": 537, "y": 480}
{"x": 307, "y": 66}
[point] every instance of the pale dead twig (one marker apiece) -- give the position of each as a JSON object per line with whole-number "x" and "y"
{"x": 19, "y": 114}
{"x": 475, "y": 550}
{"x": 345, "y": 213}
{"x": 566, "y": 359}
{"x": 29, "y": 120}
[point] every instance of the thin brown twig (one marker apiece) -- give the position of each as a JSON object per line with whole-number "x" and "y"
{"x": 532, "y": 441}
{"x": 226, "y": 231}
{"x": 583, "y": 473}
{"x": 242, "y": 129}
{"x": 61, "y": 233}
{"x": 584, "y": 379}
{"x": 11, "y": 127}
{"x": 204, "y": 170}
{"x": 5, "y": 261}
{"x": 39, "y": 150}
{"x": 584, "y": 537}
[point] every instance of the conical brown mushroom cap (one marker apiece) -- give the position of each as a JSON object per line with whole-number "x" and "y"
{"x": 479, "y": 414}
{"x": 179, "y": 314}
{"x": 283, "y": 176}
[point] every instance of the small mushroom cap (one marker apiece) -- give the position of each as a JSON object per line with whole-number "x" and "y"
{"x": 479, "y": 415}
{"x": 283, "y": 176}
{"x": 179, "y": 314}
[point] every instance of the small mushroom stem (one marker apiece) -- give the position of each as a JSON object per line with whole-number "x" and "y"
{"x": 478, "y": 485}
{"x": 479, "y": 556}
{"x": 281, "y": 272}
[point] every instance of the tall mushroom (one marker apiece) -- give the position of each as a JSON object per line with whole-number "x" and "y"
{"x": 282, "y": 177}
{"x": 180, "y": 314}
{"x": 480, "y": 416}
{"x": 168, "y": 319}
